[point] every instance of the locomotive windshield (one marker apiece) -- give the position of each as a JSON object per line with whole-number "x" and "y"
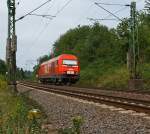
{"x": 70, "y": 62}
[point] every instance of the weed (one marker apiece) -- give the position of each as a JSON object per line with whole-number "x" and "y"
{"x": 75, "y": 129}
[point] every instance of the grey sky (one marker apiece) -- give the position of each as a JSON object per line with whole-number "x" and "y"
{"x": 36, "y": 35}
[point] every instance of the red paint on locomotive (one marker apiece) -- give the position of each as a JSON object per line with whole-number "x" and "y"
{"x": 64, "y": 68}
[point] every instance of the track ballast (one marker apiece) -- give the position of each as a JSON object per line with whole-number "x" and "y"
{"x": 122, "y": 102}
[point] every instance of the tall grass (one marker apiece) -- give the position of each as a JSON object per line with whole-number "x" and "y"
{"x": 14, "y": 113}
{"x": 146, "y": 75}
{"x": 109, "y": 75}
{"x": 105, "y": 75}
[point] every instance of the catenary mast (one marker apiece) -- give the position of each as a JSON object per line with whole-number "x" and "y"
{"x": 11, "y": 47}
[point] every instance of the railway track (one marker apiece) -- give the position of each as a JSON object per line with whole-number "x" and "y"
{"x": 121, "y": 102}
{"x": 135, "y": 91}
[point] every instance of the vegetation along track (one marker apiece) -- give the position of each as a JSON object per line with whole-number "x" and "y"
{"x": 121, "y": 102}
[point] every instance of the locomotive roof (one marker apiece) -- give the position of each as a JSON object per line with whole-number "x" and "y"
{"x": 60, "y": 56}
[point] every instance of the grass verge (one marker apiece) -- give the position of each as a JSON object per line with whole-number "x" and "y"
{"x": 16, "y": 113}
{"x": 110, "y": 76}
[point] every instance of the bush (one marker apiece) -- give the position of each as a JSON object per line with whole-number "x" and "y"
{"x": 146, "y": 75}
{"x": 76, "y": 128}
{"x": 117, "y": 79}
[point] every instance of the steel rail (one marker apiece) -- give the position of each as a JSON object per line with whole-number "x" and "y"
{"x": 133, "y": 91}
{"x": 126, "y": 103}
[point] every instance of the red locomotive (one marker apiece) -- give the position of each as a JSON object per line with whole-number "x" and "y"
{"x": 62, "y": 69}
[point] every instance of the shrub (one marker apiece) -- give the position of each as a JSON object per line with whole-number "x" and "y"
{"x": 75, "y": 129}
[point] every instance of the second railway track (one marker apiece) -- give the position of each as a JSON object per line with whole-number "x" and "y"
{"x": 122, "y": 102}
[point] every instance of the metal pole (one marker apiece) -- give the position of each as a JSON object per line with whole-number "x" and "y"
{"x": 11, "y": 45}
{"x": 134, "y": 47}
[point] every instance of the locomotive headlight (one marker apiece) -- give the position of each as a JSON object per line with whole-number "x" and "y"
{"x": 70, "y": 72}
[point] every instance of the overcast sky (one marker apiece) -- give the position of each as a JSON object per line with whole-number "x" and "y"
{"x": 36, "y": 35}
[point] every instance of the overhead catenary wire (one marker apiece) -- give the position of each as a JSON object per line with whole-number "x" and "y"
{"x": 111, "y": 4}
{"x": 125, "y": 6}
{"x": 33, "y": 10}
{"x": 101, "y": 19}
{"x": 108, "y": 11}
{"x": 44, "y": 16}
{"x": 46, "y": 25}
{"x": 46, "y": 12}
{"x": 58, "y": 12}
{"x": 67, "y": 3}
{"x": 120, "y": 10}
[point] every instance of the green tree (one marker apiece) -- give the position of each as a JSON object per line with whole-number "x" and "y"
{"x": 20, "y": 73}
{"x": 43, "y": 58}
{"x": 90, "y": 43}
{"x": 3, "y": 67}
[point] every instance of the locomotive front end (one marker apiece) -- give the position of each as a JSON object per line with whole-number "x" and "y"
{"x": 70, "y": 69}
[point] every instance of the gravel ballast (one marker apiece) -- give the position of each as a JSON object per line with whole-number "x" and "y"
{"x": 98, "y": 118}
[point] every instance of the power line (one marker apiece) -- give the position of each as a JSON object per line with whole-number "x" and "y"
{"x": 58, "y": 12}
{"x": 33, "y": 34}
{"x": 92, "y": 19}
{"x": 116, "y": 12}
{"x": 33, "y": 10}
{"x": 44, "y": 16}
{"x": 110, "y": 4}
{"x": 108, "y": 11}
{"x": 63, "y": 7}
{"x": 107, "y": 17}
{"x": 45, "y": 12}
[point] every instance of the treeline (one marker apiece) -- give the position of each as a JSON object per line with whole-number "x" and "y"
{"x": 20, "y": 73}
{"x": 91, "y": 44}
{"x": 3, "y": 68}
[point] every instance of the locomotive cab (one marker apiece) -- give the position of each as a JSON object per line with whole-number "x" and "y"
{"x": 70, "y": 70}
{"x": 70, "y": 66}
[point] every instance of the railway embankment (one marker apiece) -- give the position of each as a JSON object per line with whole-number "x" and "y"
{"x": 98, "y": 118}
{"x": 17, "y": 112}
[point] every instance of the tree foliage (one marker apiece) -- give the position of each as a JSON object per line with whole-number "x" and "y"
{"x": 143, "y": 35}
{"x": 90, "y": 43}
{"x": 43, "y": 58}
{"x": 20, "y": 73}
{"x": 3, "y": 67}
